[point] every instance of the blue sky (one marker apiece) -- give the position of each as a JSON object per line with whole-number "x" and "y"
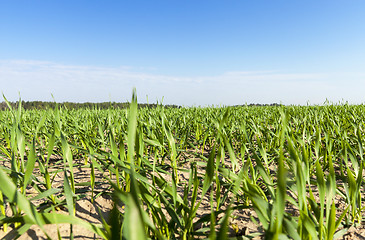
{"x": 188, "y": 52}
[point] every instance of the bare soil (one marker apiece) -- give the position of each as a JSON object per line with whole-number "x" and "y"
{"x": 243, "y": 224}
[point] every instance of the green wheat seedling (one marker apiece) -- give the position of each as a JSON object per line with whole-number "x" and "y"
{"x": 184, "y": 173}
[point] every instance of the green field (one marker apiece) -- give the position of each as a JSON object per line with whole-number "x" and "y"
{"x": 274, "y": 172}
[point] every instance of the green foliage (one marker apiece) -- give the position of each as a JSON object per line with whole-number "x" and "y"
{"x": 289, "y": 166}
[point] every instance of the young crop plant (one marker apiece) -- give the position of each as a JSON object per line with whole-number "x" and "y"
{"x": 244, "y": 172}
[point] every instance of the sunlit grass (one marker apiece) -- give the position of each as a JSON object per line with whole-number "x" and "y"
{"x": 290, "y": 167}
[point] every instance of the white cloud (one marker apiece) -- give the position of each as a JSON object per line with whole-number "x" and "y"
{"x": 37, "y": 80}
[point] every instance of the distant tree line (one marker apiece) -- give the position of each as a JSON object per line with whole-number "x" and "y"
{"x": 28, "y": 105}
{"x": 261, "y": 105}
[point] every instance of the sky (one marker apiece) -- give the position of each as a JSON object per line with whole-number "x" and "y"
{"x": 189, "y": 53}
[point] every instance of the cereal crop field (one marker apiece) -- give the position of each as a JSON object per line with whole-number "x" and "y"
{"x": 269, "y": 172}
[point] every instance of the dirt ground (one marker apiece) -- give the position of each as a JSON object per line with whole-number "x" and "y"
{"x": 243, "y": 224}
